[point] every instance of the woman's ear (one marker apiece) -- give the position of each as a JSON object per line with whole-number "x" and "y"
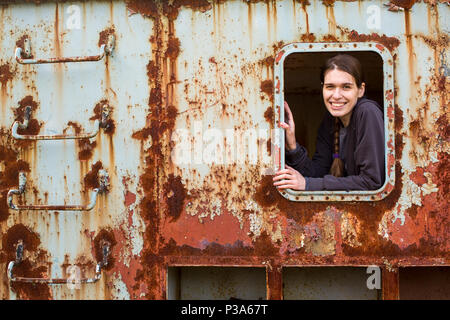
{"x": 361, "y": 90}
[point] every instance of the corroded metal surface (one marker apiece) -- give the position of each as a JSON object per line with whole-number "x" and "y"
{"x": 201, "y": 74}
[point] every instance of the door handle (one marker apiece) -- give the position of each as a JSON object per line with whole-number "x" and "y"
{"x": 19, "y": 256}
{"x": 103, "y": 187}
{"x": 17, "y": 125}
{"x": 23, "y": 55}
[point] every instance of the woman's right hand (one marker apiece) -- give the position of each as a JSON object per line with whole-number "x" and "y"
{"x": 289, "y": 128}
{"x": 289, "y": 178}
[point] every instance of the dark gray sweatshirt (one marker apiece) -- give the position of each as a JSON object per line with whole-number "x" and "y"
{"x": 363, "y": 152}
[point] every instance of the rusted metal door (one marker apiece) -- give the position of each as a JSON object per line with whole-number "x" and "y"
{"x": 148, "y": 144}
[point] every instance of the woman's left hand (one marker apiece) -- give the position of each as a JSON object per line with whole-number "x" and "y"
{"x": 289, "y": 178}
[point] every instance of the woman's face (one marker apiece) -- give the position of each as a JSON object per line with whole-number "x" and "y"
{"x": 340, "y": 94}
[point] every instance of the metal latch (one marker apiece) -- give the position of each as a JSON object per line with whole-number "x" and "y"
{"x": 19, "y": 257}
{"x": 17, "y": 125}
{"x": 103, "y": 187}
{"x": 23, "y": 55}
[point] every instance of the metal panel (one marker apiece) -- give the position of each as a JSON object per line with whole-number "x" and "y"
{"x": 425, "y": 283}
{"x": 327, "y": 283}
{"x": 215, "y": 283}
{"x": 200, "y": 74}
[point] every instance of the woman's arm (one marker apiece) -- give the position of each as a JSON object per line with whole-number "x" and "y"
{"x": 320, "y": 163}
{"x": 369, "y": 156}
{"x": 297, "y": 156}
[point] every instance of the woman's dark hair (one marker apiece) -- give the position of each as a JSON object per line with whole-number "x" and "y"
{"x": 352, "y": 66}
{"x": 346, "y": 63}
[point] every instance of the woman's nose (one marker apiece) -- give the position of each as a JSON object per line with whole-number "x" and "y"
{"x": 336, "y": 93}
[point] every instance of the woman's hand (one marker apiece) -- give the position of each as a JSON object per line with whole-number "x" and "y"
{"x": 289, "y": 178}
{"x": 289, "y": 128}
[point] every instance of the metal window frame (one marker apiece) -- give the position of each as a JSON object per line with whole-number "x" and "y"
{"x": 389, "y": 120}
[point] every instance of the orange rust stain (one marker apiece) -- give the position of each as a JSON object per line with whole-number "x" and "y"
{"x": 176, "y": 194}
{"x": 197, "y": 5}
{"x": 380, "y": 47}
{"x": 269, "y": 114}
{"x": 104, "y": 35}
{"x": 261, "y": 247}
{"x": 389, "y": 42}
{"x": 187, "y": 230}
{"x": 56, "y": 31}
{"x": 31, "y": 243}
{"x": 21, "y": 42}
{"x": 426, "y": 227}
{"x": 389, "y": 95}
{"x": 155, "y": 96}
{"x": 406, "y": 4}
{"x": 148, "y": 277}
{"x": 418, "y": 176}
{"x": 129, "y": 270}
{"x": 151, "y": 9}
{"x": 130, "y": 198}
{"x": 268, "y": 62}
{"x": 91, "y": 178}
{"x": 278, "y": 86}
{"x": 267, "y": 88}
{"x": 328, "y": 3}
{"x": 5, "y": 74}
{"x": 9, "y": 176}
{"x": 110, "y": 126}
{"x": 4, "y": 213}
{"x": 34, "y": 126}
{"x": 279, "y": 56}
{"x": 143, "y": 134}
{"x": 443, "y": 126}
{"x": 308, "y": 37}
{"x": 85, "y": 146}
{"x": 18, "y": 232}
{"x": 330, "y": 38}
{"x": 19, "y": 113}
{"x": 145, "y": 8}
{"x": 409, "y": 45}
{"x": 30, "y": 291}
{"x": 304, "y": 4}
{"x": 103, "y": 236}
{"x": 152, "y": 70}
{"x": 173, "y": 48}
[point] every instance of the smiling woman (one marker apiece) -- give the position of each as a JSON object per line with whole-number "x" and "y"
{"x": 349, "y": 151}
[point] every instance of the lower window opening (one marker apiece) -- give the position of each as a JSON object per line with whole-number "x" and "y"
{"x": 328, "y": 283}
{"x": 216, "y": 283}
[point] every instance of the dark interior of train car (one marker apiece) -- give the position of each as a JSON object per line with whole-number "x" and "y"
{"x": 303, "y": 92}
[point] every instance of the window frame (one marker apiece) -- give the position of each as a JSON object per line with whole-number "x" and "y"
{"x": 389, "y": 120}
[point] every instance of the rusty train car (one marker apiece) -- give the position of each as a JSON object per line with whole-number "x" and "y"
{"x": 139, "y": 138}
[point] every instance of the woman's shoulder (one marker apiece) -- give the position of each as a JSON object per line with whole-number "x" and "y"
{"x": 366, "y": 106}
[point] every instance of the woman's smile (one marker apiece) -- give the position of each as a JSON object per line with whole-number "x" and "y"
{"x": 337, "y": 105}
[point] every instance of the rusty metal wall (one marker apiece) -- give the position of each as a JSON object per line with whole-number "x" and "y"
{"x": 201, "y": 74}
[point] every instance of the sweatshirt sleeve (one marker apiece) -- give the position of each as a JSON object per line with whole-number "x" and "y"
{"x": 369, "y": 156}
{"x": 320, "y": 164}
